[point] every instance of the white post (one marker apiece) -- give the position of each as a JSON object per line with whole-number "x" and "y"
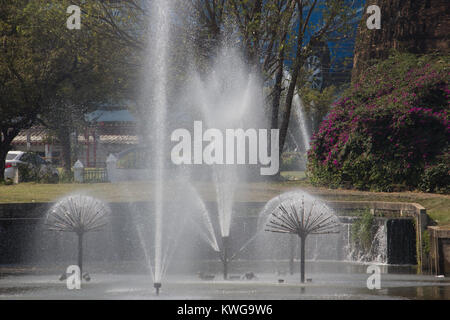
{"x": 48, "y": 152}
{"x": 78, "y": 170}
{"x": 16, "y": 175}
{"x": 111, "y": 167}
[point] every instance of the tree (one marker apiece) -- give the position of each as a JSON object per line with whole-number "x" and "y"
{"x": 318, "y": 103}
{"x": 32, "y": 65}
{"x": 335, "y": 17}
{"x": 277, "y": 36}
{"x": 50, "y": 74}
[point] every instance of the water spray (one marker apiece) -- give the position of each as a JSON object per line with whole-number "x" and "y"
{"x": 291, "y": 254}
{"x": 294, "y": 218}
{"x": 80, "y": 215}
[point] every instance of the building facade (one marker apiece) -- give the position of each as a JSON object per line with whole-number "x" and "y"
{"x": 106, "y": 132}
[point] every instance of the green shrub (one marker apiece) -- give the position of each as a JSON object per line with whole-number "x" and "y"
{"x": 387, "y": 130}
{"x": 66, "y": 176}
{"x": 436, "y": 178}
{"x": 28, "y": 173}
{"x": 363, "y": 232}
{"x": 8, "y": 182}
{"x": 48, "y": 177}
{"x": 426, "y": 245}
{"x": 292, "y": 161}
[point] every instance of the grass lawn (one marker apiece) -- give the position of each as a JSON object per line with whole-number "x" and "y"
{"x": 293, "y": 175}
{"x": 438, "y": 206}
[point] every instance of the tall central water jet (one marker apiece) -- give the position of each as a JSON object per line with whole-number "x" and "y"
{"x": 157, "y": 64}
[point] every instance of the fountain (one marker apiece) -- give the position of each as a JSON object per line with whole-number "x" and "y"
{"x": 300, "y": 116}
{"x": 228, "y": 98}
{"x": 298, "y": 213}
{"x": 225, "y": 96}
{"x": 155, "y": 97}
{"x": 185, "y": 212}
{"x": 373, "y": 248}
{"x": 302, "y": 120}
{"x": 79, "y": 214}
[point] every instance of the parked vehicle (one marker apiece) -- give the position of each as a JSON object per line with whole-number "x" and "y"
{"x": 31, "y": 162}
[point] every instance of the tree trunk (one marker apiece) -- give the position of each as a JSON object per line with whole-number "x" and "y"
{"x": 408, "y": 26}
{"x": 277, "y": 92}
{"x": 287, "y": 115}
{"x": 64, "y": 138}
{"x": 3, "y": 152}
{"x": 293, "y": 80}
{"x": 5, "y": 146}
{"x": 276, "y": 101}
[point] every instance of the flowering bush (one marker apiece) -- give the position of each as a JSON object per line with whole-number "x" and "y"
{"x": 389, "y": 130}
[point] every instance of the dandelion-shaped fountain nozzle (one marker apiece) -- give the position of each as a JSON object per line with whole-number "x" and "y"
{"x": 79, "y": 214}
{"x": 295, "y": 218}
{"x": 292, "y": 216}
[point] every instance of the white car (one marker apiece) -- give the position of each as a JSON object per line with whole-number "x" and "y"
{"x": 15, "y": 158}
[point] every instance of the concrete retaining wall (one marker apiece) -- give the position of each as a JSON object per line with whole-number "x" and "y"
{"x": 439, "y": 262}
{"x": 24, "y": 239}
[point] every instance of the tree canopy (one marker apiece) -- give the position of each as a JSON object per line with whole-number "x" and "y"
{"x": 50, "y": 74}
{"x": 276, "y": 36}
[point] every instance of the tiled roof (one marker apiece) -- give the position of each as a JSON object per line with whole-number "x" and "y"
{"x": 122, "y": 139}
{"x": 39, "y": 136}
{"x": 111, "y": 139}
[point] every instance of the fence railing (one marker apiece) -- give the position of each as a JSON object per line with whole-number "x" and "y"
{"x": 95, "y": 175}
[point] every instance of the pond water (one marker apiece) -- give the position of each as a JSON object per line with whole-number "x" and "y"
{"x": 329, "y": 280}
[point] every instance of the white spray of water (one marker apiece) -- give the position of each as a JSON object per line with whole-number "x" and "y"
{"x": 228, "y": 98}
{"x": 301, "y": 117}
{"x": 377, "y": 253}
{"x": 205, "y": 226}
{"x": 298, "y": 107}
{"x": 380, "y": 245}
{"x": 276, "y": 246}
{"x": 158, "y": 57}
